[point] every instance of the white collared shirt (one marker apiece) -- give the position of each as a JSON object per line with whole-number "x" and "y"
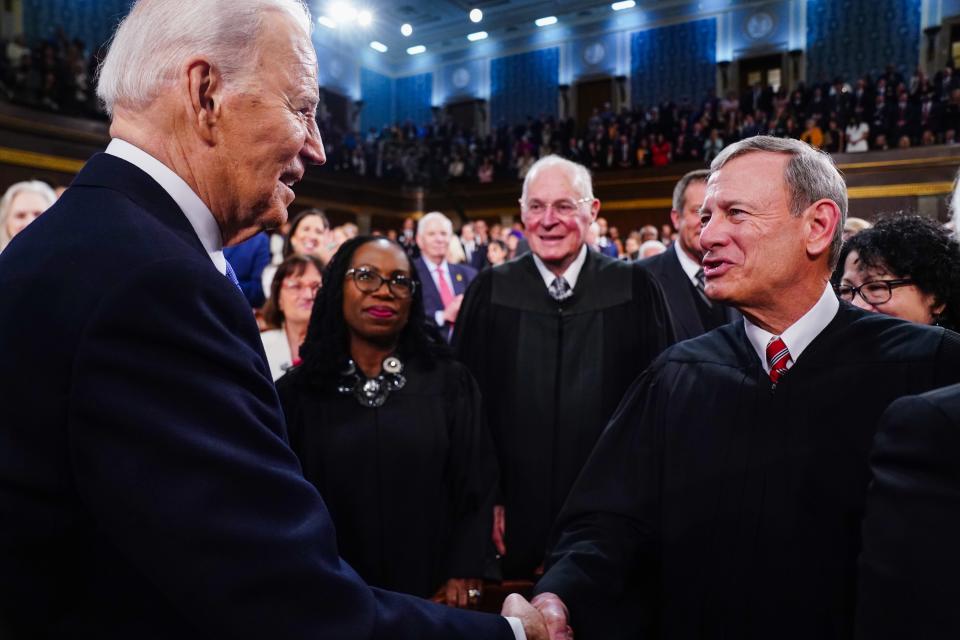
{"x": 688, "y": 264}
{"x": 801, "y": 333}
{"x": 570, "y": 275}
{"x": 196, "y": 212}
{"x": 438, "y": 271}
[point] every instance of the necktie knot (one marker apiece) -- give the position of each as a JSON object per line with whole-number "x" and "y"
{"x": 778, "y": 358}
{"x": 560, "y": 288}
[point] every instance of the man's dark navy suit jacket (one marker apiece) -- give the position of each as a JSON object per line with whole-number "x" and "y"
{"x": 146, "y": 486}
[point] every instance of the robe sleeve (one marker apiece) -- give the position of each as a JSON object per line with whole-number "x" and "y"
{"x": 472, "y": 476}
{"x": 948, "y": 359}
{"x": 607, "y": 532}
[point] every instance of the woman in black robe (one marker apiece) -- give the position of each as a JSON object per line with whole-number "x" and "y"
{"x": 390, "y": 430}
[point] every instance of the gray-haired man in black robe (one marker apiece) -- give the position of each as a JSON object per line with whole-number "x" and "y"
{"x": 730, "y": 485}
{"x": 554, "y": 338}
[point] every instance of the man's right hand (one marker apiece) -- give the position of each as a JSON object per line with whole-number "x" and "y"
{"x": 516, "y": 606}
{"x": 555, "y": 615}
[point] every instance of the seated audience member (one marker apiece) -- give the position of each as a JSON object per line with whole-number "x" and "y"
{"x": 287, "y": 312}
{"x": 651, "y": 248}
{"x": 648, "y": 232}
{"x": 632, "y": 249}
{"x": 309, "y": 234}
{"x": 496, "y": 253}
{"x": 858, "y": 135}
{"x": 21, "y": 204}
{"x": 905, "y": 266}
{"x": 389, "y": 427}
{"x": 248, "y": 260}
{"x": 853, "y": 226}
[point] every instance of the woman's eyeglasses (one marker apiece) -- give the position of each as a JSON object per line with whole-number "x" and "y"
{"x": 874, "y": 292}
{"x": 368, "y": 281}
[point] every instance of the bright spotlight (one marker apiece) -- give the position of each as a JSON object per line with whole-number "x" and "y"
{"x": 342, "y": 12}
{"x": 327, "y": 22}
{"x": 545, "y": 22}
{"x": 364, "y": 18}
{"x": 623, "y": 4}
{"x": 406, "y": 29}
{"x": 416, "y": 50}
{"x": 378, "y": 46}
{"x": 476, "y": 15}
{"x": 479, "y": 35}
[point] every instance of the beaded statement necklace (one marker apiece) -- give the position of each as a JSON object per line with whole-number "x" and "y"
{"x": 372, "y": 392}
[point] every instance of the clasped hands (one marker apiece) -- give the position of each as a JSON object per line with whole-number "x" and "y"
{"x": 544, "y": 618}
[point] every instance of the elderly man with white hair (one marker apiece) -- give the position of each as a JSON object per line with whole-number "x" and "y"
{"x": 443, "y": 283}
{"x": 728, "y": 490}
{"x": 147, "y": 489}
{"x": 21, "y": 204}
{"x": 554, "y": 338}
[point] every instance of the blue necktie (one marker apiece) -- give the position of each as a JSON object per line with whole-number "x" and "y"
{"x": 232, "y": 275}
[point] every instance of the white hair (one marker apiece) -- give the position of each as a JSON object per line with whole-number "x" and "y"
{"x": 651, "y": 248}
{"x": 579, "y": 175}
{"x": 42, "y": 189}
{"x": 430, "y": 217}
{"x": 158, "y": 36}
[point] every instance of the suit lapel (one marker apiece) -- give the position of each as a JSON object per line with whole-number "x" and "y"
{"x": 679, "y": 292}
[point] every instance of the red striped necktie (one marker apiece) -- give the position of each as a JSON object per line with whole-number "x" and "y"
{"x": 778, "y": 358}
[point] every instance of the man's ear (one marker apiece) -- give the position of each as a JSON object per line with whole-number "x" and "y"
{"x": 595, "y": 209}
{"x": 204, "y": 85}
{"x": 821, "y": 220}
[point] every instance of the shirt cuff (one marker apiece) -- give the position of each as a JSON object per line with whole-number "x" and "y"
{"x": 517, "y": 627}
{"x": 438, "y": 316}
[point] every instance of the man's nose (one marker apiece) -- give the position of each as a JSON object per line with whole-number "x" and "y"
{"x": 312, "y": 151}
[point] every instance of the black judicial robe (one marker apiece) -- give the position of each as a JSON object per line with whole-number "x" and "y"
{"x": 735, "y": 507}
{"x": 910, "y": 565}
{"x": 410, "y": 484}
{"x": 551, "y": 375}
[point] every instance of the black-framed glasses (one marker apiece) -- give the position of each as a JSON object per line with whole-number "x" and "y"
{"x": 369, "y": 280}
{"x": 873, "y": 292}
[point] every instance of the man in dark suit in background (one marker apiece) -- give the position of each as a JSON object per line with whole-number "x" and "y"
{"x": 473, "y": 248}
{"x": 443, "y": 283}
{"x": 678, "y": 269}
{"x": 147, "y": 488}
{"x": 911, "y": 554}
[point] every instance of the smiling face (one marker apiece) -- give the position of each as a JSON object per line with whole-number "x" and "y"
{"x": 310, "y": 236}
{"x": 556, "y": 236}
{"x": 378, "y": 316}
{"x": 754, "y": 249}
{"x": 268, "y": 132}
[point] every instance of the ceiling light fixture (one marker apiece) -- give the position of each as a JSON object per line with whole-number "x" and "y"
{"x": 418, "y": 49}
{"x": 364, "y": 18}
{"x": 327, "y": 22}
{"x": 342, "y": 12}
{"x": 406, "y": 29}
{"x": 479, "y": 35}
{"x": 378, "y": 46}
{"x": 476, "y": 15}
{"x": 545, "y": 22}
{"x": 623, "y": 4}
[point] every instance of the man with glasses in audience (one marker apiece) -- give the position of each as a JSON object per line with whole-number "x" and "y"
{"x": 554, "y": 338}
{"x": 729, "y": 488}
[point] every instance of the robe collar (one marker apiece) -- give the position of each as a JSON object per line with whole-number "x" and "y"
{"x": 571, "y": 275}
{"x": 800, "y": 334}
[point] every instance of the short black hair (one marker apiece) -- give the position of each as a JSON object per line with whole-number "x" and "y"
{"x": 326, "y": 348}
{"x": 295, "y": 222}
{"x": 915, "y": 247}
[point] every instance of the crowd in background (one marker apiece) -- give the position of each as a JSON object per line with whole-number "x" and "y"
{"x": 839, "y": 116}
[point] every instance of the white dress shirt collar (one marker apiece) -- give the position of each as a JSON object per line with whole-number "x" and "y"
{"x": 688, "y": 264}
{"x": 801, "y": 333}
{"x": 570, "y": 275}
{"x": 196, "y": 212}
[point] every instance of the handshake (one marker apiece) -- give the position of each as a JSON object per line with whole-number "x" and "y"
{"x": 543, "y": 618}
